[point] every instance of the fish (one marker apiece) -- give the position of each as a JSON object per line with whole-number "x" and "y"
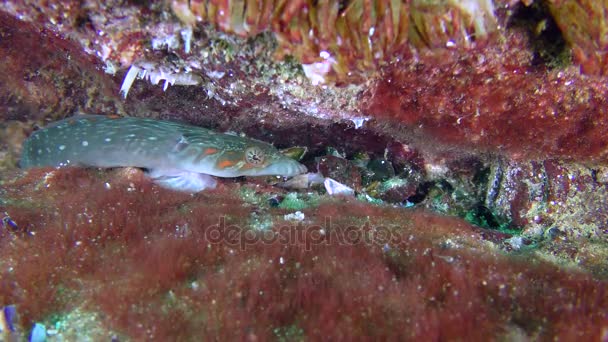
{"x": 176, "y": 156}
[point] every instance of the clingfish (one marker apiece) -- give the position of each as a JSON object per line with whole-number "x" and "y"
{"x": 175, "y": 156}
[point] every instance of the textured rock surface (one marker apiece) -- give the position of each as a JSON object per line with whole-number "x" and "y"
{"x": 485, "y": 120}
{"x": 141, "y": 262}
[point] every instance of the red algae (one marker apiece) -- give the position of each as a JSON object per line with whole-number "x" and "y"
{"x": 483, "y": 102}
{"x": 54, "y": 79}
{"x": 158, "y": 264}
{"x": 155, "y": 264}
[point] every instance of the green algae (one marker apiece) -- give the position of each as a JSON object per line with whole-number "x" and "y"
{"x": 485, "y": 218}
{"x": 294, "y": 201}
{"x": 392, "y": 183}
{"x": 79, "y": 324}
{"x": 250, "y": 196}
{"x": 260, "y": 221}
{"x": 289, "y": 333}
{"x": 369, "y": 199}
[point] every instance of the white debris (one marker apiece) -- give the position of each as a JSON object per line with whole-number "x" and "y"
{"x": 297, "y": 216}
{"x": 306, "y": 181}
{"x": 169, "y": 42}
{"x": 481, "y": 13}
{"x": 186, "y": 34}
{"x": 316, "y": 71}
{"x": 169, "y": 38}
{"x": 336, "y": 188}
{"x": 315, "y": 178}
{"x": 359, "y": 121}
{"x": 216, "y": 74}
{"x": 109, "y": 68}
{"x": 155, "y": 75}
{"x": 132, "y": 74}
{"x": 303, "y": 181}
{"x": 517, "y": 242}
{"x": 436, "y": 169}
{"x": 296, "y": 182}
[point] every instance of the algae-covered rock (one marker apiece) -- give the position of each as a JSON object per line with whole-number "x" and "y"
{"x": 584, "y": 24}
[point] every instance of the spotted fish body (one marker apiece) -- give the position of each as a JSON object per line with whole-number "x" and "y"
{"x": 176, "y": 156}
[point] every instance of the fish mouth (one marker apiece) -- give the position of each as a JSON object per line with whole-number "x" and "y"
{"x": 285, "y": 168}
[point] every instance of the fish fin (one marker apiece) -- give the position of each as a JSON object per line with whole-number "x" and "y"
{"x": 75, "y": 117}
{"x": 182, "y": 180}
{"x": 181, "y": 144}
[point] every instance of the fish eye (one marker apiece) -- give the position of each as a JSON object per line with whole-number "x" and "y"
{"x": 254, "y": 155}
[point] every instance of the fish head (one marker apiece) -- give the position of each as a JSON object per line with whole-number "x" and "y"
{"x": 245, "y": 157}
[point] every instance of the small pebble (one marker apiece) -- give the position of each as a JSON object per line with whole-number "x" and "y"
{"x": 335, "y": 188}
{"x": 297, "y": 216}
{"x": 38, "y": 333}
{"x": 382, "y": 169}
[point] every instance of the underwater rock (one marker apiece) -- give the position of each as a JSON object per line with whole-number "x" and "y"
{"x": 139, "y": 253}
{"x": 394, "y": 190}
{"x": 380, "y": 170}
{"x": 539, "y": 195}
{"x": 583, "y": 24}
{"x": 492, "y": 104}
{"x": 12, "y": 135}
{"x": 44, "y": 75}
{"x": 476, "y": 128}
{"x": 347, "y": 42}
{"x": 557, "y": 106}
{"x": 404, "y": 157}
{"x": 341, "y": 170}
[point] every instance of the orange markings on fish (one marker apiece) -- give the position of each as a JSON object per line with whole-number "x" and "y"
{"x": 209, "y": 151}
{"x": 225, "y": 163}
